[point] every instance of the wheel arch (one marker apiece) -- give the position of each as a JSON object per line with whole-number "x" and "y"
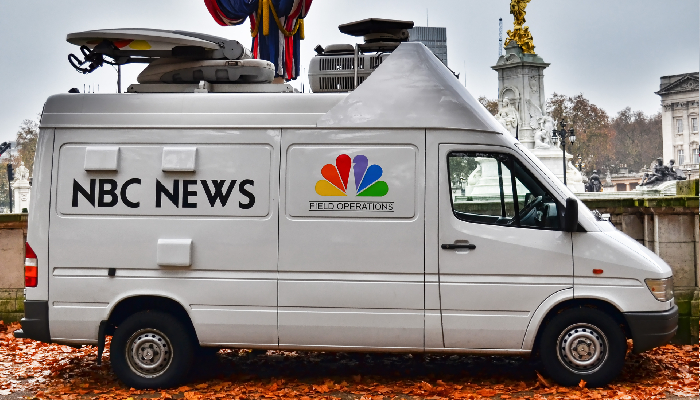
{"x": 131, "y": 305}
{"x": 602, "y": 305}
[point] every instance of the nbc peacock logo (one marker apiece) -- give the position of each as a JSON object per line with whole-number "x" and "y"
{"x": 366, "y": 176}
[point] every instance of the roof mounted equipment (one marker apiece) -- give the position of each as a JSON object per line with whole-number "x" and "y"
{"x": 126, "y": 46}
{"x": 174, "y": 57}
{"x": 333, "y": 69}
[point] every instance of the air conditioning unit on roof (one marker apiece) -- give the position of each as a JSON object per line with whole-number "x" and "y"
{"x": 333, "y": 68}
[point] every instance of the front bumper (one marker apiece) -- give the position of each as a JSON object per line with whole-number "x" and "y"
{"x": 652, "y": 329}
{"x": 35, "y": 324}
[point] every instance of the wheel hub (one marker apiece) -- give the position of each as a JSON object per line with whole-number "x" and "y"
{"x": 582, "y": 348}
{"x": 149, "y": 353}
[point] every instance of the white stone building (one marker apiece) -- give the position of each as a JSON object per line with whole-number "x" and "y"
{"x": 680, "y": 123}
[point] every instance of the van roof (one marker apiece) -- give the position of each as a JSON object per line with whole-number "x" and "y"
{"x": 411, "y": 89}
{"x": 186, "y": 110}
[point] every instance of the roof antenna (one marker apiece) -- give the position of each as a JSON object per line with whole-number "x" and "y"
{"x": 500, "y": 37}
{"x": 465, "y": 73}
{"x": 427, "y": 14}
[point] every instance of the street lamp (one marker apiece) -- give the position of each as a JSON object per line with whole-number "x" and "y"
{"x": 562, "y": 134}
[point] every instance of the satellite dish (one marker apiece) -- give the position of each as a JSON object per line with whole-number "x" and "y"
{"x": 125, "y": 46}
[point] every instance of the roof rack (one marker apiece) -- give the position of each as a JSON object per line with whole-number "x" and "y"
{"x": 207, "y": 87}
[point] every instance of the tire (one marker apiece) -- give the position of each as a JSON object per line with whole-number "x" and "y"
{"x": 596, "y": 347}
{"x": 165, "y": 355}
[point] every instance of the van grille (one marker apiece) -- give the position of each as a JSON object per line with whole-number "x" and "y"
{"x": 340, "y": 63}
{"x": 339, "y": 83}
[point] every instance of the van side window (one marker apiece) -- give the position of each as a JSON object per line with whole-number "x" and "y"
{"x": 492, "y": 188}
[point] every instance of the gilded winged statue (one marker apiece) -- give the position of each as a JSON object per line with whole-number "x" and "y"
{"x": 520, "y": 34}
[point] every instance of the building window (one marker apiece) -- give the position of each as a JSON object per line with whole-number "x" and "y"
{"x": 696, "y": 155}
{"x": 679, "y": 125}
{"x": 694, "y": 124}
{"x": 681, "y": 158}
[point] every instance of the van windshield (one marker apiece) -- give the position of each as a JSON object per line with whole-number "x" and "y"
{"x": 584, "y": 211}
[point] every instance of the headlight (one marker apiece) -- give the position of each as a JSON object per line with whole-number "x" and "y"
{"x": 662, "y": 289}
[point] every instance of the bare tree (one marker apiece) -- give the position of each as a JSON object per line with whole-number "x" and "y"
{"x": 638, "y": 140}
{"x": 27, "y": 136}
{"x": 594, "y": 134}
{"x": 491, "y": 105}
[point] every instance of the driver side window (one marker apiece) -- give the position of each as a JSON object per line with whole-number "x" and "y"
{"x": 492, "y": 188}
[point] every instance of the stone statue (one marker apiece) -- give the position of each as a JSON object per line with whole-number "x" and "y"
{"x": 508, "y": 116}
{"x": 22, "y": 173}
{"x": 656, "y": 174}
{"x": 473, "y": 179}
{"x": 594, "y": 184}
{"x": 662, "y": 173}
{"x": 678, "y": 173}
{"x": 573, "y": 174}
{"x": 543, "y": 135}
{"x": 520, "y": 34}
{"x": 21, "y": 189}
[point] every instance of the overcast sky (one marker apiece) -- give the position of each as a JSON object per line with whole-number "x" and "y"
{"x": 612, "y": 51}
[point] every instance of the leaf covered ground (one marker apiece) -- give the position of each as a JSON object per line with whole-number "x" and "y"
{"x": 50, "y": 371}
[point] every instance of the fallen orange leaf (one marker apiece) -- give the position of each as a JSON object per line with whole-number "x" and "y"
{"x": 543, "y": 381}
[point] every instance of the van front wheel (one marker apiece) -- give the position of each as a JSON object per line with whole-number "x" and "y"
{"x": 151, "y": 349}
{"x": 583, "y": 344}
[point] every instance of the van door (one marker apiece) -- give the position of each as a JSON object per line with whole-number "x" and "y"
{"x": 502, "y": 252}
{"x": 352, "y": 239}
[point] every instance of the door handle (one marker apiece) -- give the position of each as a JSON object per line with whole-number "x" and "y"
{"x": 456, "y": 246}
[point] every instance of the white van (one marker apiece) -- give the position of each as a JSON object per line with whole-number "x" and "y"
{"x": 326, "y": 222}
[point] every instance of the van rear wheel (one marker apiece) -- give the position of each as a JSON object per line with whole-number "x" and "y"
{"x": 151, "y": 349}
{"x": 583, "y": 344}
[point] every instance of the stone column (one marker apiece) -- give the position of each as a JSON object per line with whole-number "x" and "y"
{"x": 521, "y": 80}
{"x": 686, "y": 137}
{"x": 668, "y": 131}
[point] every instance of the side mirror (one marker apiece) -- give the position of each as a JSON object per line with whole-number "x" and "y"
{"x": 571, "y": 215}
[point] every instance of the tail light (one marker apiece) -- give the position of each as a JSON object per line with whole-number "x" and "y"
{"x": 31, "y": 272}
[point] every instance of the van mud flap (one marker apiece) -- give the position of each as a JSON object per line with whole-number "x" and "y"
{"x": 35, "y": 324}
{"x": 101, "y": 340}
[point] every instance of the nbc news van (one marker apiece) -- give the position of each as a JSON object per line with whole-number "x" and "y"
{"x": 176, "y": 222}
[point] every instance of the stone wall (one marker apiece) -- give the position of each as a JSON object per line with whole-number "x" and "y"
{"x": 669, "y": 227}
{"x": 11, "y": 304}
{"x": 13, "y": 234}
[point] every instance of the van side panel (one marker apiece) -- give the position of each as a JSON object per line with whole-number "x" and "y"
{"x": 351, "y": 239}
{"x": 189, "y": 215}
{"x": 39, "y": 218}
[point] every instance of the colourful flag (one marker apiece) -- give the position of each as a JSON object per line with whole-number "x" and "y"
{"x": 276, "y": 26}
